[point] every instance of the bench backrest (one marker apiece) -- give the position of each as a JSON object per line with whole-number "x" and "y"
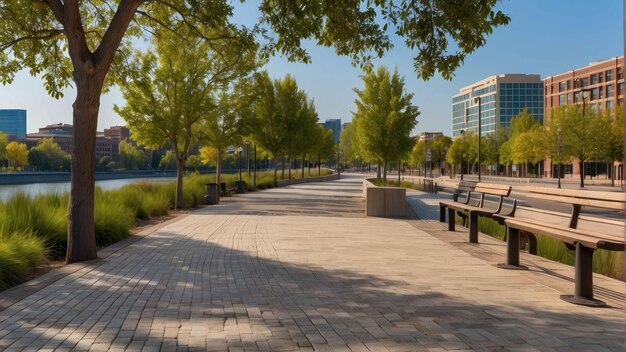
{"x": 607, "y": 200}
{"x": 493, "y": 189}
{"x": 466, "y": 186}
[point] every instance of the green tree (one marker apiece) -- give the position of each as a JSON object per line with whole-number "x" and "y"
{"x": 104, "y": 164}
{"x": 17, "y": 154}
{"x": 3, "y": 145}
{"x": 461, "y": 151}
{"x": 168, "y": 161}
{"x": 87, "y": 43}
{"x": 439, "y": 146}
{"x": 131, "y": 158}
{"x": 491, "y": 147}
{"x": 385, "y": 117}
{"x": 168, "y": 96}
{"x": 193, "y": 162}
{"x": 583, "y": 137}
{"x": 46, "y": 156}
{"x": 519, "y": 147}
{"x": 417, "y": 158}
{"x": 615, "y": 143}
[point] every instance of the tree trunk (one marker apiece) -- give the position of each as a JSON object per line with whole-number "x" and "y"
{"x": 81, "y": 236}
{"x": 275, "y": 171}
{"x": 303, "y": 156}
{"x": 290, "y": 167}
{"x": 384, "y": 173}
{"x": 319, "y": 165}
{"x": 309, "y": 165}
{"x": 282, "y": 164}
{"x": 178, "y": 202}
{"x": 582, "y": 174}
{"x": 378, "y": 170}
{"x": 218, "y": 171}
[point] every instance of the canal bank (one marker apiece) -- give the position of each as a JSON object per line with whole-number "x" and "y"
{"x": 20, "y": 178}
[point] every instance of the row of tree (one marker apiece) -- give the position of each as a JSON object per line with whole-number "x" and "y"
{"x": 89, "y": 44}
{"x": 215, "y": 98}
{"x": 569, "y": 136}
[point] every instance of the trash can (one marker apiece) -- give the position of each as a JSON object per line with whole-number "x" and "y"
{"x": 240, "y": 185}
{"x": 212, "y": 193}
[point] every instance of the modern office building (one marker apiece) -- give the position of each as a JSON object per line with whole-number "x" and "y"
{"x": 605, "y": 82}
{"x": 502, "y": 98}
{"x": 13, "y": 122}
{"x": 335, "y": 126}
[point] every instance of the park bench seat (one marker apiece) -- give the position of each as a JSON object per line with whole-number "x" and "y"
{"x": 475, "y": 205}
{"x": 227, "y": 192}
{"x": 584, "y": 234}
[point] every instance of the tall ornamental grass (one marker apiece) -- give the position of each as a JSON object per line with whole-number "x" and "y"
{"x": 35, "y": 228}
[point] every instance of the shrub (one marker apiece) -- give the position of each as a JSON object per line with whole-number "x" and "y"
{"x": 19, "y": 253}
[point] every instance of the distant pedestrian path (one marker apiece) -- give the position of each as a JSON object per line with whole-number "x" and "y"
{"x": 301, "y": 268}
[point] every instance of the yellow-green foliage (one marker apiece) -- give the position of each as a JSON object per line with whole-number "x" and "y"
{"x": 19, "y": 253}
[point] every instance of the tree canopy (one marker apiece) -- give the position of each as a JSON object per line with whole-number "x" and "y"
{"x": 89, "y": 43}
{"x": 384, "y": 117}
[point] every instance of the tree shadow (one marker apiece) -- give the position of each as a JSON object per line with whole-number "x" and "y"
{"x": 171, "y": 291}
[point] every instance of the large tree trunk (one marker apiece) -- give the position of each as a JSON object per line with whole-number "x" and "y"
{"x": 178, "y": 202}
{"x": 582, "y": 174}
{"x": 384, "y": 173}
{"x": 282, "y": 164}
{"x": 81, "y": 236}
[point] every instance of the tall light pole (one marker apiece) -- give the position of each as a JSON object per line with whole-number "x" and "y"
{"x": 582, "y": 92}
{"x": 248, "y": 157}
{"x": 559, "y": 143}
{"x": 477, "y": 101}
{"x": 254, "y": 179}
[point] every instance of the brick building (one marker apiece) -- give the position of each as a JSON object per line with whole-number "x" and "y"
{"x": 605, "y": 81}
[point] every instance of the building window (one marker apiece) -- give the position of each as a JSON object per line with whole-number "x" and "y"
{"x": 569, "y": 84}
{"x": 609, "y": 91}
{"x": 561, "y": 86}
{"x": 609, "y": 75}
{"x": 585, "y": 81}
{"x": 609, "y": 105}
{"x": 620, "y": 73}
{"x": 620, "y": 88}
{"x": 599, "y": 78}
{"x": 592, "y": 107}
{"x": 594, "y": 94}
{"x": 561, "y": 99}
{"x": 569, "y": 98}
{"x": 594, "y": 79}
{"x": 600, "y": 92}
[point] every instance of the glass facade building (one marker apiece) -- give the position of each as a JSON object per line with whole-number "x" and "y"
{"x": 335, "y": 126}
{"x": 502, "y": 97}
{"x": 13, "y": 121}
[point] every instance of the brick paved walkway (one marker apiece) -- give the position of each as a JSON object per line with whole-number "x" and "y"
{"x": 301, "y": 268}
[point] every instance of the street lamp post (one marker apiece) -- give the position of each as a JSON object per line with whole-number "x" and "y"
{"x": 248, "y": 157}
{"x": 254, "y": 178}
{"x": 239, "y": 150}
{"x": 582, "y": 92}
{"x": 559, "y": 143}
{"x": 477, "y": 100}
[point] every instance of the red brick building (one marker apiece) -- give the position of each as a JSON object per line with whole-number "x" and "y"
{"x": 605, "y": 81}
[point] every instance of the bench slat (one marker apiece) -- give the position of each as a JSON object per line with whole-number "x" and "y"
{"x": 588, "y": 239}
{"x": 600, "y": 203}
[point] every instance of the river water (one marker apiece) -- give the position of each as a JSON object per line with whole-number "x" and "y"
{"x": 6, "y": 191}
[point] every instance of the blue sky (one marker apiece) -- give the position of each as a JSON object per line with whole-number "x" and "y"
{"x": 545, "y": 37}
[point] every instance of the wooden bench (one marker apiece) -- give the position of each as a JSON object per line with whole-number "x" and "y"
{"x": 474, "y": 205}
{"x": 581, "y": 233}
{"x": 227, "y": 192}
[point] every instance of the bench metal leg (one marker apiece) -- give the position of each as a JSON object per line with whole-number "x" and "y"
{"x": 473, "y": 227}
{"x": 451, "y": 219}
{"x": 583, "y": 292}
{"x": 442, "y": 213}
{"x": 512, "y": 251}
{"x": 532, "y": 243}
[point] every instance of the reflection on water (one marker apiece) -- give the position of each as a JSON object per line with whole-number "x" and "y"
{"x": 6, "y": 191}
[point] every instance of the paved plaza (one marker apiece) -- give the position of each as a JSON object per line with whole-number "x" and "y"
{"x": 301, "y": 268}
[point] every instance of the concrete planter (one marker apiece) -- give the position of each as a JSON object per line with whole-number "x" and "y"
{"x": 387, "y": 202}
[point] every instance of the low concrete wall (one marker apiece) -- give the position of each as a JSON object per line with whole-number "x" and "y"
{"x": 295, "y": 181}
{"x": 387, "y": 202}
